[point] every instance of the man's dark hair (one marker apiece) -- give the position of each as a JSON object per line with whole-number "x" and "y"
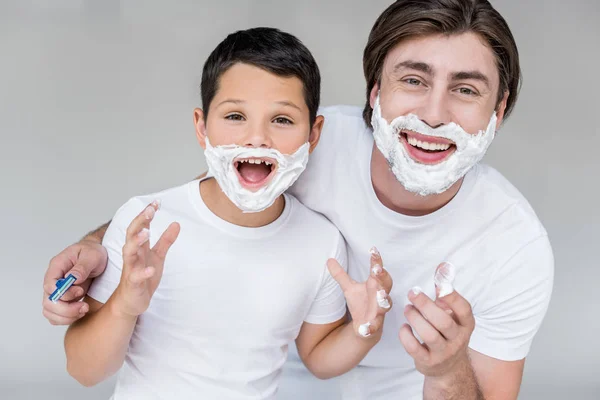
{"x": 407, "y": 19}
{"x": 270, "y": 49}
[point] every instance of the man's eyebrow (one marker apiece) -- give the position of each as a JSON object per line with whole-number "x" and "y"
{"x": 416, "y": 65}
{"x": 475, "y": 75}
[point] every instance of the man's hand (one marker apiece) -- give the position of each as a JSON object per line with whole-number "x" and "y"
{"x": 85, "y": 260}
{"x": 369, "y": 301}
{"x": 142, "y": 265}
{"x": 445, "y": 326}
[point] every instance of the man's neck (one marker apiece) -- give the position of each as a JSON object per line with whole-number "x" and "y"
{"x": 220, "y": 205}
{"x": 395, "y": 197}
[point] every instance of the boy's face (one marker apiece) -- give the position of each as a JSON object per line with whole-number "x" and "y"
{"x": 255, "y": 108}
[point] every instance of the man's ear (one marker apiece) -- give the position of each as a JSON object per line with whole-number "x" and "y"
{"x": 373, "y": 94}
{"x": 500, "y": 109}
{"x": 200, "y": 125}
{"x": 315, "y": 132}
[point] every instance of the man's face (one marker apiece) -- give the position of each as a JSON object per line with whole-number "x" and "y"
{"x": 441, "y": 79}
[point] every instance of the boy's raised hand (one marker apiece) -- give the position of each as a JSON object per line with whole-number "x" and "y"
{"x": 142, "y": 265}
{"x": 369, "y": 301}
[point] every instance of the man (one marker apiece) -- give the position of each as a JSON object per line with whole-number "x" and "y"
{"x": 441, "y": 77}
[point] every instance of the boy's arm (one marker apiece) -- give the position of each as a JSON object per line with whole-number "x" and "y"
{"x": 86, "y": 260}
{"x": 96, "y": 344}
{"x": 329, "y": 350}
{"x": 332, "y": 349}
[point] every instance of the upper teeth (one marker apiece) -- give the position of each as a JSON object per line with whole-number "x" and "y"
{"x": 427, "y": 145}
{"x": 255, "y": 161}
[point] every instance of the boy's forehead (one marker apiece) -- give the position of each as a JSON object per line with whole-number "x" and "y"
{"x": 247, "y": 82}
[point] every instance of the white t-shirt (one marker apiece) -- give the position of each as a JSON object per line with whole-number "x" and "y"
{"x": 230, "y": 299}
{"x": 488, "y": 231}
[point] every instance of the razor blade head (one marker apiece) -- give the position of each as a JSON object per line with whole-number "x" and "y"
{"x": 62, "y": 285}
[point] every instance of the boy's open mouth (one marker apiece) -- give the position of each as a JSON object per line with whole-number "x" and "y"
{"x": 426, "y": 149}
{"x": 253, "y": 172}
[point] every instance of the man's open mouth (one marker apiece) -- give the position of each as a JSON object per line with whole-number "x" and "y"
{"x": 426, "y": 149}
{"x": 254, "y": 172}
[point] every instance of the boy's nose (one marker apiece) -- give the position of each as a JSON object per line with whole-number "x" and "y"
{"x": 257, "y": 136}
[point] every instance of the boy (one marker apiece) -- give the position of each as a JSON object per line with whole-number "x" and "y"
{"x": 246, "y": 269}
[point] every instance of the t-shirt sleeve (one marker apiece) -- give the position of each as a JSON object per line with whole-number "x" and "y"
{"x": 515, "y": 303}
{"x": 104, "y": 285}
{"x": 330, "y": 304}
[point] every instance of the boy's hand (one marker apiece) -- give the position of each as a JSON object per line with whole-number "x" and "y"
{"x": 142, "y": 266}
{"x": 369, "y": 301}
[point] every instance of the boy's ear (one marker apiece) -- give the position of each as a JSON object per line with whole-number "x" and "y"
{"x": 200, "y": 125}
{"x": 315, "y": 132}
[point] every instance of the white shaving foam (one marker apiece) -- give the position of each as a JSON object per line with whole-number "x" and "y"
{"x": 444, "y": 277}
{"x": 363, "y": 330}
{"x": 220, "y": 160}
{"x": 425, "y": 179}
{"x": 382, "y": 299}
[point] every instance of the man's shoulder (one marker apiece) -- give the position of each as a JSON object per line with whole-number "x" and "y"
{"x": 343, "y": 118}
{"x": 502, "y": 201}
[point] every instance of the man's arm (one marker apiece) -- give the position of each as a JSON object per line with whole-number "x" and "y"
{"x": 110, "y": 331}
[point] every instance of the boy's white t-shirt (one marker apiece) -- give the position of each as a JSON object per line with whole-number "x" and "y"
{"x": 230, "y": 299}
{"x": 488, "y": 231}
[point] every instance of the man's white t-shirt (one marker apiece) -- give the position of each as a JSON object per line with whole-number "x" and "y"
{"x": 488, "y": 231}
{"x": 230, "y": 299}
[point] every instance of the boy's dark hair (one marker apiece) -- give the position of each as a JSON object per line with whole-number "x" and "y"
{"x": 270, "y": 49}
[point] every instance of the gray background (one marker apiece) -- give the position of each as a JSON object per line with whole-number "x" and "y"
{"x": 96, "y": 102}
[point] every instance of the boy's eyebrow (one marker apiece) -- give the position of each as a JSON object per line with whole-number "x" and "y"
{"x": 234, "y": 101}
{"x": 288, "y": 103}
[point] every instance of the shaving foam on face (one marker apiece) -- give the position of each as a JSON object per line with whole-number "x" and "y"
{"x": 221, "y": 166}
{"x": 425, "y": 179}
{"x": 444, "y": 277}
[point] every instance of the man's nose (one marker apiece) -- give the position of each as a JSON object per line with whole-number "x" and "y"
{"x": 434, "y": 111}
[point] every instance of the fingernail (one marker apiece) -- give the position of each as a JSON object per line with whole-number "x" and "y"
{"x": 363, "y": 330}
{"x": 448, "y": 311}
{"x": 416, "y": 290}
{"x": 376, "y": 270}
{"x": 143, "y": 236}
{"x": 149, "y": 212}
{"x": 157, "y": 203}
{"x": 374, "y": 251}
{"x": 83, "y": 310}
{"x": 382, "y": 299}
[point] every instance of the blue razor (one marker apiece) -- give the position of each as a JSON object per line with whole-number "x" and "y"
{"x": 62, "y": 285}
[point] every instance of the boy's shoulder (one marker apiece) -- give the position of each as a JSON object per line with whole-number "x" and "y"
{"x": 176, "y": 198}
{"x": 308, "y": 223}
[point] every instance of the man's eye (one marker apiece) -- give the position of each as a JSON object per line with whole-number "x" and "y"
{"x": 282, "y": 121}
{"x": 234, "y": 117}
{"x": 466, "y": 91}
{"x": 413, "y": 81}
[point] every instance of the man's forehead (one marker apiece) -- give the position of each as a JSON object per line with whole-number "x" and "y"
{"x": 442, "y": 54}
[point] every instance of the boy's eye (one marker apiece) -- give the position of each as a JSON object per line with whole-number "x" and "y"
{"x": 234, "y": 117}
{"x": 282, "y": 121}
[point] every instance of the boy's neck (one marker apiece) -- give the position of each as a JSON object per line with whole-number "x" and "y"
{"x": 220, "y": 205}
